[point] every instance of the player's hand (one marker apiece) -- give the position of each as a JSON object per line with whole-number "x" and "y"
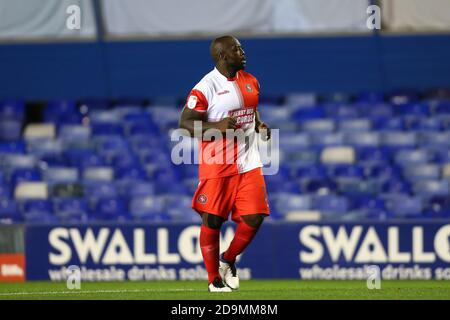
{"x": 265, "y": 130}
{"x": 227, "y": 123}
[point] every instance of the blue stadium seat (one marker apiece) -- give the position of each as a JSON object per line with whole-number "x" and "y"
{"x": 413, "y": 109}
{"x": 19, "y": 175}
{"x": 362, "y": 139}
{"x": 355, "y": 125}
{"x": 341, "y": 111}
{"x": 431, "y": 188}
{"x": 107, "y": 128}
{"x": 396, "y": 186}
{"x": 179, "y": 209}
{"x": 396, "y": 140}
{"x": 385, "y": 172}
{"x": 130, "y": 189}
{"x": 130, "y": 173}
{"x": 37, "y": 206}
{"x": 319, "y": 186}
{"x": 96, "y": 190}
{"x": 74, "y": 133}
{"x": 9, "y": 211}
{"x": 83, "y": 158}
{"x": 111, "y": 209}
{"x": 348, "y": 171}
{"x": 12, "y": 110}
{"x": 318, "y": 126}
{"x": 301, "y": 158}
{"x": 295, "y": 141}
{"x": 321, "y": 140}
{"x": 10, "y": 129}
{"x": 432, "y": 139}
{"x": 409, "y": 157}
{"x": 310, "y": 113}
{"x": 443, "y": 107}
{"x": 71, "y": 209}
{"x": 426, "y": 124}
{"x": 17, "y": 146}
{"x": 142, "y": 208}
{"x": 5, "y": 190}
{"x": 331, "y": 205}
{"x": 421, "y": 172}
{"x": 62, "y": 111}
{"x": 373, "y": 156}
{"x": 388, "y": 124}
{"x": 405, "y": 206}
{"x": 288, "y": 202}
{"x": 370, "y": 96}
{"x": 43, "y": 147}
{"x": 438, "y": 208}
{"x": 54, "y": 175}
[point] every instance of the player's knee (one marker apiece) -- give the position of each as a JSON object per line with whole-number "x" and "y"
{"x": 253, "y": 220}
{"x": 212, "y": 221}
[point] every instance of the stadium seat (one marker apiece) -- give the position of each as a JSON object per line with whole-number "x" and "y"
{"x": 410, "y": 157}
{"x": 67, "y": 190}
{"x": 354, "y": 125}
{"x": 421, "y": 172}
{"x": 31, "y": 190}
{"x": 74, "y": 133}
{"x": 16, "y": 146}
{"x": 12, "y": 109}
{"x": 71, "y": 210}
{"x": 111, "y": 209}
{"x": 33, "y": 206}
{"x": 338, "y": 155}
{"x": 317, "y": 126}
{"x": 431, "y": 188}
{"x": 9, "y": 211}
{"x": 40, "y": 131}
{"x": 405, "y": 206}
{"x": 142, "y": 208}
{"x": 55, "y": 175}
{"x": 362, "y": 139}
{"x": 321, "y": 140}
{"x": 98, "y": 174}
{"x": 10, "y": 129}
{"x": 330, "y": 205}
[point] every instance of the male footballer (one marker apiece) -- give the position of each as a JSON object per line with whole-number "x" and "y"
{"x": 230, "y": 169}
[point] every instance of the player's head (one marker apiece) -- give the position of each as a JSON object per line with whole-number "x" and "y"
{"x": 227, "y": 51}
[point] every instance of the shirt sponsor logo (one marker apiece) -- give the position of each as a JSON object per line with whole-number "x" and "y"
{"x": 243, "y": 116}
{"x": 223, "y": 92}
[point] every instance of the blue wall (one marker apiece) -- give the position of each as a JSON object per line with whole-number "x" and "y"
{"x": 163, "y": 68}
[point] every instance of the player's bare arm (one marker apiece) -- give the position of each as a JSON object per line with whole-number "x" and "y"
{"x": 188, "y": 118}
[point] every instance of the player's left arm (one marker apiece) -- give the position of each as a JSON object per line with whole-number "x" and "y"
{"x": 261, "y": 125}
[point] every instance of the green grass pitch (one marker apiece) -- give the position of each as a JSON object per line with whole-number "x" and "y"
{"x": 250, "y": 290}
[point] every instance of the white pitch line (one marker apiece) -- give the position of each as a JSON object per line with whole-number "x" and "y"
{"x": 92, "y": 291}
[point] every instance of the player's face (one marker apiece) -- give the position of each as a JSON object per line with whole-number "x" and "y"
{"x": 236, "y": 55}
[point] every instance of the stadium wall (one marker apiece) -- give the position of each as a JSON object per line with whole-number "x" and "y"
{"x": 170, "y": 68}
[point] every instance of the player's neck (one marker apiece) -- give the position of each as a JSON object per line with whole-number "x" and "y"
{"x": 226, "y": 71}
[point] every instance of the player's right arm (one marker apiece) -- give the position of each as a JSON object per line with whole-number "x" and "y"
{"x": 195, "y": 114}
{"x": 189, "y": 117}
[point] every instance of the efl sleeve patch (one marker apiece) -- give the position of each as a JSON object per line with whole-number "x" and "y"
{"x": 192, "y": 102}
